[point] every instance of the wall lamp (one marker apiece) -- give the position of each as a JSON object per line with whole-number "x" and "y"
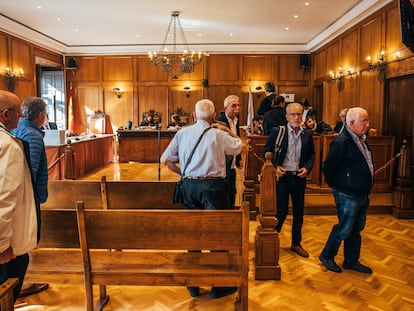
{"x": 380, "y": 66}
{"x": 339, "y": 77}
{"x": 258, "y": 89}
{"x": 187, "y": 91}
{"x": 117, "y": 91}
{"x": 11, "y": 77}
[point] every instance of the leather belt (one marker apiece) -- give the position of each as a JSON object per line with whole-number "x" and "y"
{"x": 292, "y": 173}
{"x": 202, "y": 178}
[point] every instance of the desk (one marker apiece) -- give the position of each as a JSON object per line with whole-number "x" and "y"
{"x": 90, "y": 153}
{"x": 142, "y": 145}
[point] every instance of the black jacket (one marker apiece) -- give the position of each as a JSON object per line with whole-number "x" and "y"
{"x": 345, "y": 167}
{"x": 307, "y": 153}
{"x": 222, "y": 118}
{"x": 266, "y": 104}
{"x": 273, "y": 118}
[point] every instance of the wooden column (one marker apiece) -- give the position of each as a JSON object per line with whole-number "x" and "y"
{"x": 403, "y": 193}
{"x": 267, "y": 239}
{"x": 69, "y": 161}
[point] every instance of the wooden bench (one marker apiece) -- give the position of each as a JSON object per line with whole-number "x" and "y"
{"x": 6, "y": 294}
{"x": 158, "y": 252}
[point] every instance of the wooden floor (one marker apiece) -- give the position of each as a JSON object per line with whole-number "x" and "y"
{"x": 388, "y": 247}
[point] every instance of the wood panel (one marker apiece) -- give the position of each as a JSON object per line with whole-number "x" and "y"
{"x": 393, "y": 40}
{"x": 118, "y": 68}
{"x": 349, "y": 52}
{"x": 258, "y": 67}
{"x": 4, "y": 58}
{"x": 332, "y": 57}
{"x": 153, "y": 97}
{"x": 289, "y": 69}
{"x": 85, "y": 102}
{"x": 223, "y": 68}
{"x": 371, "y": 43}
{"x": 88, "y": 69}
{"x": 147, "y": 71}
{"x": 180, "y": 100}
{"x": 370, "y": 98}
{"x": 119, "y": 109}
{"x": 319, "y": 65}
{"x": 330, "y": 101}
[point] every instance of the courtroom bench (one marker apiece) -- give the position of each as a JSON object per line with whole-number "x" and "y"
{"x": 158, "y": 254}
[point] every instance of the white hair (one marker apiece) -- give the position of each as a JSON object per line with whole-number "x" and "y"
{"x": 353, "y": 114}
{"x": 204, "y": 109}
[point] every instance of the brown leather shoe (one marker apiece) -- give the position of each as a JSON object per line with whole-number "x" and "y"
{"x": 33, "y": 289}
{"x": 298, "y": 249}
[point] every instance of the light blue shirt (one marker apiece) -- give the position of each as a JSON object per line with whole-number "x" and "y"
{"x": 209, "y": 159}
{"x": 292, "y": 159}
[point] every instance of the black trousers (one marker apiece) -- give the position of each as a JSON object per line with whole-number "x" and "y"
{"x": 15, "y": 268}
{"x": 208, "y": 194}
{"x": 293, "y": 186}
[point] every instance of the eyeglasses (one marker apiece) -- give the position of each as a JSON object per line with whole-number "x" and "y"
{"x": 235, "y": 106}
{"x": 299, "y": 114}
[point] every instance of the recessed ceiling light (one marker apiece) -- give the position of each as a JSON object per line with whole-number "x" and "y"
{"x": 296, "y": 16}
{"x": 231, "y": 34}
{"x": 307, "y": 3}
{"x": 200, "y": 34}
{"x": 58, "y": 19}
{"x": 286, "y": 28}
{"x": 76, "y": 30}
{"x": 137, "y": 35}
{"x": 39, "y": 6}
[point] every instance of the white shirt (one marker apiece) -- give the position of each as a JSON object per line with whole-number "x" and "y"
{"x": 18, "y": 222}
{"x": 209, "y": 159}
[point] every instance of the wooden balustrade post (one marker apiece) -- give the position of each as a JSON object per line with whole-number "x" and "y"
{"x": 69, "y": 161}
{"x": 267, "y": 239}
{"x": 403, "y": 193}
{"x": 249, "y": 193}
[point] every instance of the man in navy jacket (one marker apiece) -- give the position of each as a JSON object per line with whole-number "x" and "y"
{"x": 349, "y": 171}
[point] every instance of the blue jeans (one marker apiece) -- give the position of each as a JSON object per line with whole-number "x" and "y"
{"x": 352, "y": 214}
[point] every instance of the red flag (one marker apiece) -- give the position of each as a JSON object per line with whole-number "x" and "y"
{"x": 71, "y": 121}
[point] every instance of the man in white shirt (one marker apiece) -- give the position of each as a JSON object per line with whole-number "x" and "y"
{"x": 18, "y": 214}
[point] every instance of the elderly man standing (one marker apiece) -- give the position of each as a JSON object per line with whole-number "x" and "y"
{"x": 18, "y": 204}
{"x": 231, "y": 120}
{"x": 29, "y": 130}
{"x": 293, "y": 161}
{"x": 349, "y": 171}
{"x": 203, "y": 167}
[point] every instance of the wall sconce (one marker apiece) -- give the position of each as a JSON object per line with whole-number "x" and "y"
{"x": 117, "y": 91}
{"x": 339, "y": 77}
{"x": 11, "y": 76}
{"x": 258, "y": 89}
{"x": 187, "y": 91}
{"x": 380, "y": 66}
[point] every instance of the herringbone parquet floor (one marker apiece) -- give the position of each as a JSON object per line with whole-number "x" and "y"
{"x": 388, "y": 247}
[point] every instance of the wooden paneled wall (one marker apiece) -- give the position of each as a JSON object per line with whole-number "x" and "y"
{"x": 380, "y": 31}
{"x": 145, "y": 86}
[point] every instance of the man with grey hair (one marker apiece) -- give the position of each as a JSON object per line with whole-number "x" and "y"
{"x": 203, "y": 176}
{"x": 29, "y": 130}
{"x": 230, "y": 119}
{"x": 349, "y": 171}
{"x": 19, "y": 206}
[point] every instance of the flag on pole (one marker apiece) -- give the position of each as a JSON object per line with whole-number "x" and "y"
{"x": 250, "y": 111}
{"x": 71, "y": 121}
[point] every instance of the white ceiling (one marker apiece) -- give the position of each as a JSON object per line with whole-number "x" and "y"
{"x": 214, "y": 26}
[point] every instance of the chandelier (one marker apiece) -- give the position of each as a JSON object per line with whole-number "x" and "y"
{"x": 174, "y": 62}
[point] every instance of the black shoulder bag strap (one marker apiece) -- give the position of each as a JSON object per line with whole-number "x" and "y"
{"x": 192, "y": 152}
{"x": 278, "y": 142}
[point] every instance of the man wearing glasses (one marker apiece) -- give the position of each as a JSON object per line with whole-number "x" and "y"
{"x": 293, "y": 162}
{"x": 230, "y": 119}
{"x": 18, "y": 204}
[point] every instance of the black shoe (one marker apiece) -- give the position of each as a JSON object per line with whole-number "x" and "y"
{"x": 218, "y": 292}
{"x": 330, "y": 264}
{"x": 298, "y": 249}
{"x": 357, "y": 266}
{"x": 33, "y": 289}
{"x": 194, "y": 291}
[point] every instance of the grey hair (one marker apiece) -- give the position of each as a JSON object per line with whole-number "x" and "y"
{"x": 353, "y": 114}
{"x": 204, "y": 109}
{"x": 32, "y": 107}
{"x": 229, "y": 98}
{"x": 289, "y": 107}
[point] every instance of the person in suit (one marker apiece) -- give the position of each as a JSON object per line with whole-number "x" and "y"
{"x": 266, "y": 103}
{"x": 341, "y": 123}
{"x": 293, "y": 162}
{"x": 29, "y": 130}
{"x": 275, "y": 116}
{"x": 203, "y": 182}
{"x": 308, "y": 111}
{"x": 349, "y": 171}
{"x": 19, "y": 204}
{"x": 48, "y": 125}
{"x": 231, "y": 120}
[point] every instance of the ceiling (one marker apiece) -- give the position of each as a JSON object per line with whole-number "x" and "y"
{"x": 214, "y": 26}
